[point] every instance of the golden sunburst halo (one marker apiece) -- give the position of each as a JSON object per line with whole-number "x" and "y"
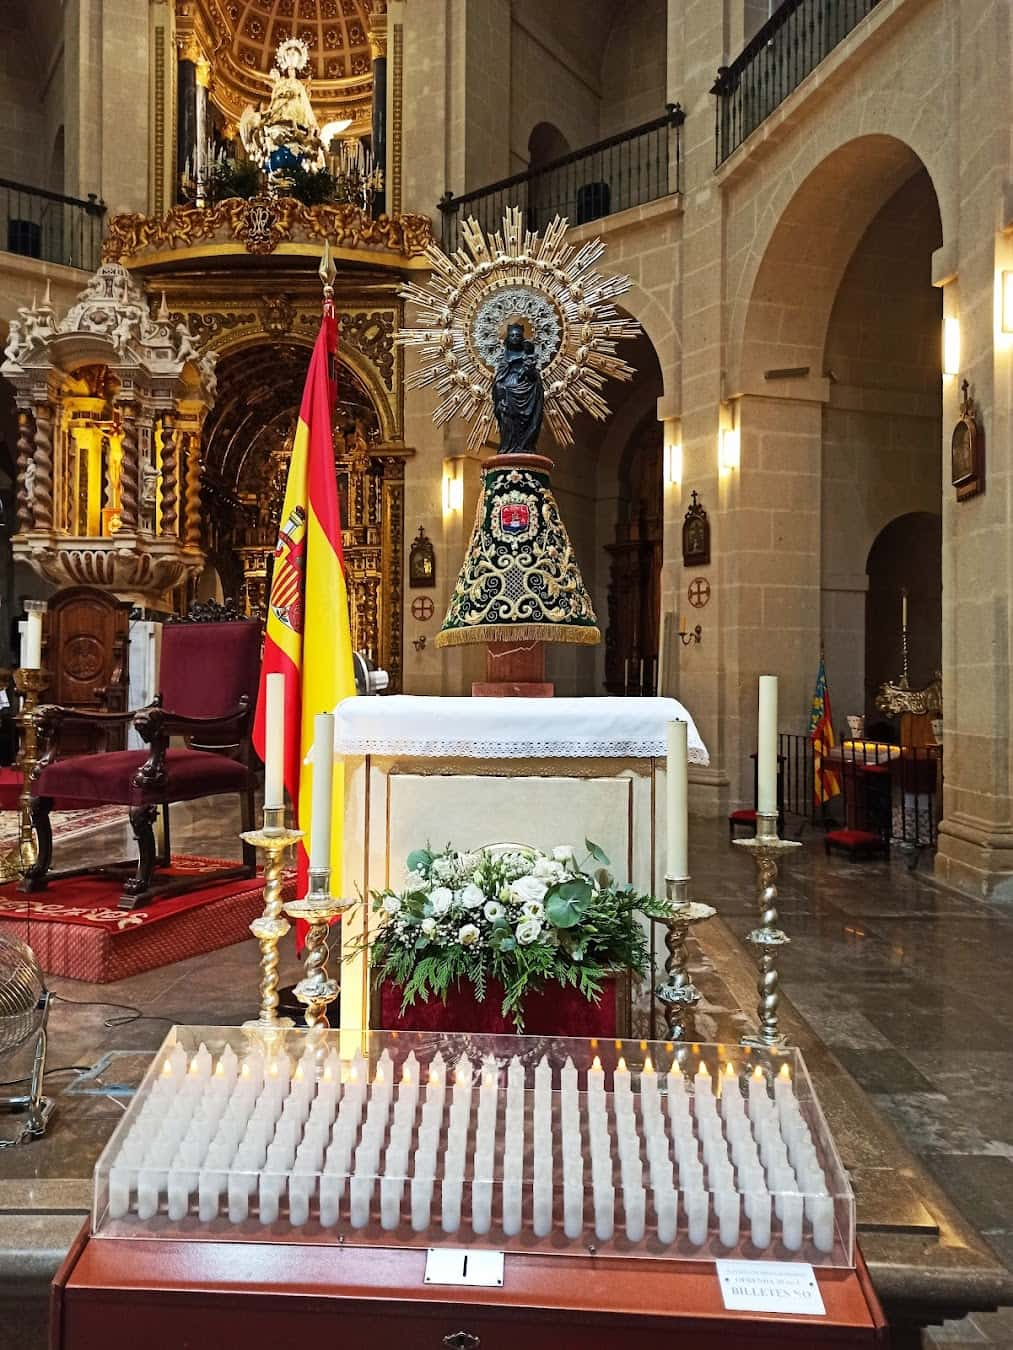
{"x": 518, "y": 275}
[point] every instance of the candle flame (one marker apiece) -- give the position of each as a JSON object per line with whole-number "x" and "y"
{"x": 785, "y": 1074}
{"x": 167, "y": 1067}
{"x": 194, "y": 1066}
{"x": 328, "y": 1076}
{"x": 489, "y": 1079}
{"x": 406, "y": 1077}
{"x": 595, "y": 1065}
{"x": 729, "y": 1071}
{"x": 378, "y": 1078}
{"x": 643, "y": 1045}
{"x": 434, "y": 1078}
{"x": 219, "y": 1070}
{"x": 273, "y": 1068}
{"x": 648, "y": 1066}
{"x": 621, "y": 1066}
{"x": 353, "y": 1074}
{"x": 758, "y": 1074}
{"x": 245, "y": 1071}
{"x": 701, "y": 1068}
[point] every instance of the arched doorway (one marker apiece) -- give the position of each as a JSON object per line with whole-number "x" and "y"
{"x": 905, "y": 559}
{"x": 246, "y": 446}
{"x": 546, "y": 191}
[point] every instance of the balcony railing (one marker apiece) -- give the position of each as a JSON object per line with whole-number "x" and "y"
{"x": 40, "y": 224}
{"x": 626, "y": 170}
{"x": 793, "y": 41}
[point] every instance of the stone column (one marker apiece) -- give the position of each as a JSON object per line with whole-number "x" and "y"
{"x": 40, "y": 492}
{"x": 130, "y": 470}
{"x": 25, "y": 453}
{"x": 203, "y": 76}
{"x": 186, "y": 117}
{"x": 378, "y": 51}
{"x": 169, "y": 489}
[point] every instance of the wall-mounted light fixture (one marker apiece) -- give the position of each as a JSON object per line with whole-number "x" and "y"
{"x": 1006, "y": 321}
{"x": 951, "y": 346}
{"x": 688, "y": 635}
{"x": 728, "y": 449}
{"x": 453, "y": 487}
{"x": 673, "y": 464}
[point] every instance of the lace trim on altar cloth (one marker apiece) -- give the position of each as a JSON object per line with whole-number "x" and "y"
{"x": 443, "y": 747}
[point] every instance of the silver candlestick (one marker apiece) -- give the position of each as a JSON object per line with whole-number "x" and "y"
{"x": 271, "y": 926}
{"x": 678, "y": 994}
{"x": 766, "y": 848}
{"x": 316, "y": 990}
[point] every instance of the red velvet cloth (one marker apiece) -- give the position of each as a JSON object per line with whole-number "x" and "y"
{"x": 108, "y": 778}
{"x": 557, "y": 1011}
{"x": 10, "y": 793}
{"x": 206, "y": 667}
{"x": 854, "y": 838}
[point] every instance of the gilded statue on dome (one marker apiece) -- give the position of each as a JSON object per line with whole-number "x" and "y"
{"x": 284, "y": 135}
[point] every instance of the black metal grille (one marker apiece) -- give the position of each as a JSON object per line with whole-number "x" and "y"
{"x": 40, "y": 224}
{"x": 626, "y": 170}
{"x": 793, "y": 41}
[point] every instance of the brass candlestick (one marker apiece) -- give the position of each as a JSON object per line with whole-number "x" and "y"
{"x": 316, "y": 989}
{"x": 678, "y": 993}
{"x": 274, "y": 838}
{"x": 766, "y": 849}
{"x": 29, "y": 684}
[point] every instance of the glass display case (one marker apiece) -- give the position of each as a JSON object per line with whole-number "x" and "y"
{"x": 519, "y": 1144}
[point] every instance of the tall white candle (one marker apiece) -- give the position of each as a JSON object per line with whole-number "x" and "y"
{"x": 274, "y": 742}
{"x": 31, "y": 658}
{"x": 766, "y": 748}
{"x": 903, "y": 608}
{"x": 323, "y": 778}
{"x": 677, "y": 800}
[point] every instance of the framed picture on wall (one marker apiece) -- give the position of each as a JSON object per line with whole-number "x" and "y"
{"x": 966, "y": 451}
{"x": 696, "y": 536}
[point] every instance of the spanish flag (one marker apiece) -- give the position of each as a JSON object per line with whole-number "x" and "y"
{"x": 826, "y": 784}
{"x": 308, "y": 632}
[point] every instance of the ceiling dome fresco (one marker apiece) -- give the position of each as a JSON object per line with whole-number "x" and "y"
{"x": 335, "y": 31}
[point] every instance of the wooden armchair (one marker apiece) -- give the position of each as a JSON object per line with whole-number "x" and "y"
{"x": 209, "y": 674}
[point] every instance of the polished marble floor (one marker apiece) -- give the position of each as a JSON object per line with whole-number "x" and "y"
{"x": 908, "y": 985}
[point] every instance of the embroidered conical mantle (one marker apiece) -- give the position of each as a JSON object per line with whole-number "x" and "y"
{"x": 520, "y": 580}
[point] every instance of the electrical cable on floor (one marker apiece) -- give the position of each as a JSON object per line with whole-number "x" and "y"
{"x": 133, "y": 1014}
{"x": 67, "y": 1068}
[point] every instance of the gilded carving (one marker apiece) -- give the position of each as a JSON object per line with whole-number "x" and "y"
{"x": 261, "y": 225}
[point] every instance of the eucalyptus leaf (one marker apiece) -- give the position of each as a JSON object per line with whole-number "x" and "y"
{"x": 598, "y": 854}
{"x": 566, "y": 903}
{"x": 419, "y": 858}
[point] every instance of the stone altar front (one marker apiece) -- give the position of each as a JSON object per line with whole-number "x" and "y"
{"x": 472, "y": 772}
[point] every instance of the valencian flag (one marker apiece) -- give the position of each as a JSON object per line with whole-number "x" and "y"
{"x": 308, "y": 632}
{"x": 826, "y": 784}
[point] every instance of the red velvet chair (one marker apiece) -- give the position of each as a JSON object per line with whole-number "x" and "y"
{"x": 209, "y": 674}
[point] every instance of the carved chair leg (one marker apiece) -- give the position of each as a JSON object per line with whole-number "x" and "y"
{"x": 142, "y": 822}
{"x": 246, "y": 817}
{"x": 165, "y": 858}
{"x": 35, "y": 877}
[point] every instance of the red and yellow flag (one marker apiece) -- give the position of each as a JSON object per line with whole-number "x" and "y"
{"x": 826, "y": 783}
{"x": 308, "y": 632}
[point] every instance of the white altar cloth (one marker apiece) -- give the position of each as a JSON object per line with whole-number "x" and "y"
{"x": 511, "y": 728}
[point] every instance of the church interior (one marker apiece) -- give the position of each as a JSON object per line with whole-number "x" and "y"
{"x": 506, "y": 548}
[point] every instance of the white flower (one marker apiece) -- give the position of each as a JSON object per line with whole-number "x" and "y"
{"x": 533, "y": 909}
{"x": 414, "y": 881}
{"x": 528, "y": 931}
{"x": 467, "y": 862}
{"x": 493, "y": 910}
{"x": 564, "y": 854}
{"x": 547, "y": 870}
{"x": 429, "y": 926}
{"x": 392, "y": 903}
{"x": 441, "y": 899}
{"x": 443, "y": 869}
{"x": 527, "y": 888}
{"x": 471, "y": 897}
{"x": 467, "y": 935}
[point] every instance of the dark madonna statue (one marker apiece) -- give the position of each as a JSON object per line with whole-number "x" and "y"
{"x": 517, "y": 395}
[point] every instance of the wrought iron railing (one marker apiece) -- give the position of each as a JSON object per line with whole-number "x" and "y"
{"x": 636, "y": 166}
{"x": 793, "y": 41}
{"x": 37, "y": 223}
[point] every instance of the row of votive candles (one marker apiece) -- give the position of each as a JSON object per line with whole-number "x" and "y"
{"x": 239, "y": 1136}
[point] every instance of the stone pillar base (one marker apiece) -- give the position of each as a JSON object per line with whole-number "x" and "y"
{"x": 975, "y": 857}
{"x": 708, "y": 792}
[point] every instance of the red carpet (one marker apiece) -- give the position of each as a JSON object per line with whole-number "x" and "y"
{"x": 75, "y": 929}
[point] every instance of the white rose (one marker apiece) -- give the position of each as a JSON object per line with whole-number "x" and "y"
{"x": 441, "y": 899}
{"x": 429, "y": 926}
{"x": 392, "y": 904}
{"x": 414, "y": 881}
{"x": 528, "y": 931}
{"x": 471, "y": 897}
{"x": 527, "y": 888}
{"x": 533, "y": 909}
{"x": 547, "y": 870}
{"x": 493, "y": 911}
{"x": 467, "y": 935}
{"x": 564, "y": 854}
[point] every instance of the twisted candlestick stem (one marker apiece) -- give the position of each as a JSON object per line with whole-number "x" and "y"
{"x": 766, "y": 848}
{"x": 274, "y": 839}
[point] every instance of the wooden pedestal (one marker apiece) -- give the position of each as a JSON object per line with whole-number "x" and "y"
{"x": 114, "y": 1294}
{"x": 514, "y": 670}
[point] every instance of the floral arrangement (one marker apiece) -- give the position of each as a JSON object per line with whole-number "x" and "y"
{"x": 517, "y": 915}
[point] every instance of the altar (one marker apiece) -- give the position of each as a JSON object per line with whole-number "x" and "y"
{"x": 472, "y": 772}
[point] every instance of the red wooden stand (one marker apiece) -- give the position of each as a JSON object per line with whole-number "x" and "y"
{"x": 117, "y": 1294}
{"x": 514, "y": 670}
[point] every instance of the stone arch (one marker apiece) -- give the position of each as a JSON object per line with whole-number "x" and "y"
{"x": 545, "y": 144}
{"x": 795, "y": 246}
{"x": 907, "y": 553}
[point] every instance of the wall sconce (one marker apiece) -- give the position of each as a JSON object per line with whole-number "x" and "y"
{"x": 951, "y": 346}
{"x": 687, "y": 635}
{"x": 728, "y": 449}
{"x": 1006, "y": 322}
{"x": 453, "y": 488}
{"x": 673, "y": 464}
